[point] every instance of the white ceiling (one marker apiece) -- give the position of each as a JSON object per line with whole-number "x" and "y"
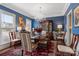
{"x": 39, "y": 10}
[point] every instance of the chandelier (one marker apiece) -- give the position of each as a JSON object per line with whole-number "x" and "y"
{"x": 39, "y": 15}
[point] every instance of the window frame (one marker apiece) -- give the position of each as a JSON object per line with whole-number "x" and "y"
{"x": 7, "y": 29}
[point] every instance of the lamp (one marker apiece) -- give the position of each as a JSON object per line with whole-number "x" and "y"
{"x": 59, "y": 27}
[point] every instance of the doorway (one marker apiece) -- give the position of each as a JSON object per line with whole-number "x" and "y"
{"x": 69, "y": 28}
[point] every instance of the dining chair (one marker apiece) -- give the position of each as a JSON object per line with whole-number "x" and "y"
{"x": 42, "y": 46}
{"x": 26, "y": 43}
{"x": 68, "y": 50}
{"x": 13, "y": 38}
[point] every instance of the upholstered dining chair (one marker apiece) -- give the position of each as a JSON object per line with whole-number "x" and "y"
{"x": 26, "y": 43}
{"x": 43, "y": 46}
{"x": 28, "y": 48}
{"x": 66, "y": 50}
{"x": 13, "y": 38}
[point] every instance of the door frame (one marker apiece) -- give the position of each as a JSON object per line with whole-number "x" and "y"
{"x": 68, "y": 41}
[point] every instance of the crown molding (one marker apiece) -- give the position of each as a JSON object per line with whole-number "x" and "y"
{"x": 65, "y": 8}
{"x": 9, "y": 5}
{"x": 13, "y": 7}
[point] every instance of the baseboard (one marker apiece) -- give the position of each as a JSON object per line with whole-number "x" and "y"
{"x": 4, "y": 46}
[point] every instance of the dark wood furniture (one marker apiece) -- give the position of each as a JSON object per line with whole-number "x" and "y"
{"x": 52, "y": 45}
{"x": 64, "y": 50}
{"x": 47, "y": 25}
{"x": 49, "y": 35}
{"x": 59, "y": 37}
{"x": 42, "y": 46}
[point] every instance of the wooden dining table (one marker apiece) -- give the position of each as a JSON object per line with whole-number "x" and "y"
{"x": 40, "y": 40}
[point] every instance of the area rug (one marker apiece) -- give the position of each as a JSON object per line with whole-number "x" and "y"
{"x": 12, "y": 52}
{"x": 18, "y": 52}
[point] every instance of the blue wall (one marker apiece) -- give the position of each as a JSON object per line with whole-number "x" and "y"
{"x": 72, "y": 6}
{"x": 35, "y": 24}
{"x": 56, "y": 21}
{"x": 14, "y": 12}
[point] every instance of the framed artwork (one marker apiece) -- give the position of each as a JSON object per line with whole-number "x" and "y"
{"x": 28, "y": 25}
{"x": 76, "y": 16}
{"x": 21, "y": 22}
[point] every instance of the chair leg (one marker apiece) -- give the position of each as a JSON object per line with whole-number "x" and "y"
{"x": 22, "y": 52}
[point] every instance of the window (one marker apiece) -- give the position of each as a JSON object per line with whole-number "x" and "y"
{"x": 7, "y": 24}
{"x": 7, "y": 20}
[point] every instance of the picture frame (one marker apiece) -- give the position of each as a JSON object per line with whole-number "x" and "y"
{"x": 21, "y": 21}
{"x": 76, "y": 16}
{"x": 28, "y": 25}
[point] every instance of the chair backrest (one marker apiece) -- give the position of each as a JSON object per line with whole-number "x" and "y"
{"x": 75, "y": 40}
{"x": 12, "y": 35}
{"x": 26, "y": 41}
{"x": 17, "y": 35}
{"x": 50, "y": 35}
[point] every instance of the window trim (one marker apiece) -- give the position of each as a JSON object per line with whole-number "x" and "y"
{"x": 7, "y": 29}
